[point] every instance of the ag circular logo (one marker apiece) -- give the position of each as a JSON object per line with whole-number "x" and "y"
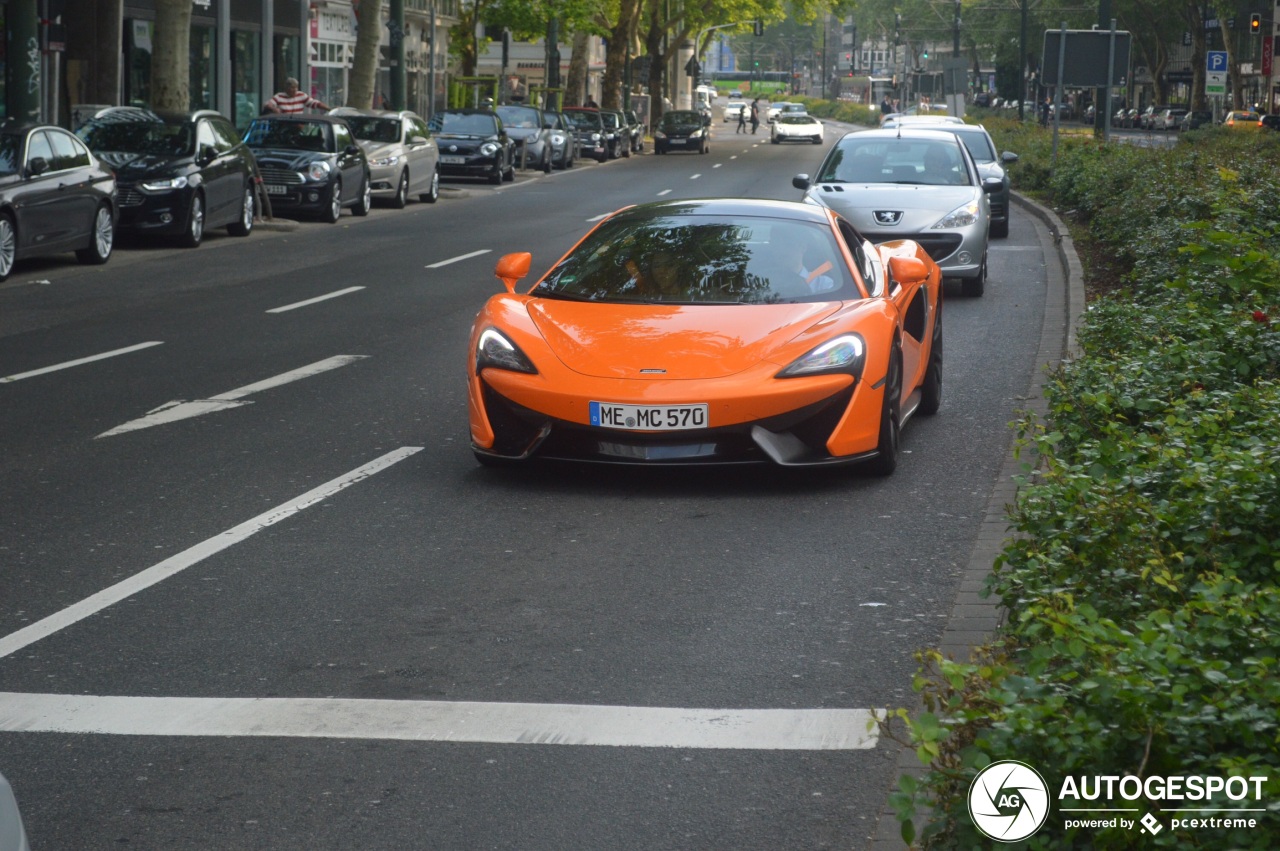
{"x": 1008, "y": 801}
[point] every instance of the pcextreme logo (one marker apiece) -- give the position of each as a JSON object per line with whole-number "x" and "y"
{"x": 1008, "y": 801}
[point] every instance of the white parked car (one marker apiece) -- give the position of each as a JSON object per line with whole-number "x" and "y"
{"x": 793, "y": 127}
{"x": 775, "y": 109}
{"x": 733, "y": 109}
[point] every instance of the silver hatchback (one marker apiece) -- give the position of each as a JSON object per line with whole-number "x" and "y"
{"x": 403, "y": 156}
{"x": 913, "y": 184}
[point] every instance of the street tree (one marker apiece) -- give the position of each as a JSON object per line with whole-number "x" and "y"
{"x": 171, "y": 59}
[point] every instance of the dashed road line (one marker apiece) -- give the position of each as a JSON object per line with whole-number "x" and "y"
{"x": 459, "y": 258}
{"x": 174, "y": 565}
{"x": 315, "y": 300}
{"x": 665, "y": 192}
{"x": 78, "y": 362}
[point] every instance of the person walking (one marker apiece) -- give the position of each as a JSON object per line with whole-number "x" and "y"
{"x": 755, "y": 115}
{"x": 292, "y": 101}
{"x": 742, "y": 121}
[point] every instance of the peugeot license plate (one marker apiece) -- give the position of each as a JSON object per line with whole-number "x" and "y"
{"x": 648, "y": 417}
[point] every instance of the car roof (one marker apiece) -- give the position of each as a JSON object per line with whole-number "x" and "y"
{"x": 915, "y": 132}
{"x": 303, "y": 118}
{"x": 375, "y": 113}
{"x": 792, "y": 210}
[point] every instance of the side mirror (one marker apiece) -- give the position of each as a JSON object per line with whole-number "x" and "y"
{"x": 512, "y": 267}
{"x": 992, "y": 185}
{"x": 352, "y": 150}
{"x": 37, "y": 166}
{"x": 417, "y": 140}
{"x": 206, "y": 155}
{"x": 1009, "y": 157}
{"x": 801, "y": 181}
{"x": 908, "y": 270}
{"x": 706, "y": 121}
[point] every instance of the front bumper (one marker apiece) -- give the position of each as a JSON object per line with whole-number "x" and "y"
{"x": 384, "y": 179}
{"x": 472, "y": 165}
{"x": 152, "y": 213}
{"x": 309, "y": 196}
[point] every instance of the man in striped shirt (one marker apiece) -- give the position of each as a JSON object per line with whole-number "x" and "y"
{"x": 291, "y": 101}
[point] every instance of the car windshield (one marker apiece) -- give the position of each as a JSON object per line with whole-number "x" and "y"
{"x": 295, "y": 135}
{"x": 979, "y": 145}
{"x": 702, "y": 259}
{"x": 370, "y": 129}
{"x": 914, "y": 161}
{"x": 10, "y": 151}
{"x": 680, "y": 117}
{"x": 140, "y": 137}
{"x": 795, "y": 119}
{"x": 522, "y": 117}
{"x": 610, "y": 120}
{"x": 583, "y": 119}
{"x": 468, "y": 124}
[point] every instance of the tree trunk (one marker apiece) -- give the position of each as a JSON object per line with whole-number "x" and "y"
{"x": 575, "y": 87}
{"x": 170, "y": 72}
{"x": 364, "y": 67}
{"x": 1195, "y": 25}
{"x": 615, "y": 58}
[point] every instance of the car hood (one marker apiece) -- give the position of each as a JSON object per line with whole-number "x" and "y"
{"x": 685, "y": 341}
{"x": 131, "y": 166}
{"x": 376, "y": 150}
{"x": 921, "y": 206}
{"x": 680, "y": 129}
{"x": 521, "y": 133}
{"x": 288, "y": 157}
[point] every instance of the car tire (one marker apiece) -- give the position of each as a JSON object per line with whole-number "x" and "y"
{"x": 546, "y": 162}
{"x": 401, "y": 198}
{"x": 817, "y": 141}
{"x": 931, "y": 388}
{"x": 626, "y": 150}
{"x": 774, "y": 139}
{"x": 600, "y": 158}
{"x": 510, "y": 174}
{"x": 334, "y": 211}
{"x": 194, "y": 231}
{"x": 432, "y": 195}
{"x": 364, "y": 202}
{"x": 706, "y": 149}
{"x": 890, "y": 419}
{"x": 496, "y": 177}
{"x": 244, "y": 225}
{"x": 974, "y": 287}
{"x": 1000, "y": 230}
{"x": 101, "y": 240}
{"x": 8, "y": 245}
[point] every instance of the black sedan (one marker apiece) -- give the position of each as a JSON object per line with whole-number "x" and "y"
{"x": 312, "y": 164}
{"x": 474, "y": 143}
{"x": 682, "y": 130}
{"x": 54, "y": 196}
{"x": 177, "y": 174}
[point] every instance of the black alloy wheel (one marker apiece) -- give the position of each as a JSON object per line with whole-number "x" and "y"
{"x": 890, "y": 419}
{"x": 931, "y": 389}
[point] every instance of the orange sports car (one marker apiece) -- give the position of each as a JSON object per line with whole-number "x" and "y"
{"x": 708, "y": 332}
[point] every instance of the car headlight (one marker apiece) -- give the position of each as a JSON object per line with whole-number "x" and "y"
{"x": 658, "y": 134}
{"x": 595, "y": 137}
{"x": 844, "y": 354}
{"x": 696, "y": 134}
{"x": 497, "y": 351}
{"x": 489, "y": 149}
{"x": 557, "y": 139}
{"x": 385, "y": 161}
{"x": 165, "y": 185}
{"x": 318, "y": 170}
{"x": 960, "y": 217}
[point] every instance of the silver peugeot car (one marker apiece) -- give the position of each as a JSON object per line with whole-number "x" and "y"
{"x": 911, "y": 184}
{"x": 402, "y": 153}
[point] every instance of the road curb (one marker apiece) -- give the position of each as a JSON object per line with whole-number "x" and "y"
{"x": 974, "y": 618}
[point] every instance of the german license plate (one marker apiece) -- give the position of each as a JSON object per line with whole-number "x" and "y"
{"x": 648, "y": 417}
{"x": 274, "y": 189}
{"x": 448, "y": 160}
{"x": 675, "y": 141}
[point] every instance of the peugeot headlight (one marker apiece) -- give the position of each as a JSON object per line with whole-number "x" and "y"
{"x": 318, "y": 170}
{"x": 497, "y": 351}
{"x": 696, "y": 134}
{"x": 385, "y": 161}
{"x": 960, "y": 217}
{"x": 844, "y": 354}
{"x": 166, "y": 185}
{"x": 488, "y": 149}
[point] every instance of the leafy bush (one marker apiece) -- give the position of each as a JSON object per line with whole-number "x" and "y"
{"x": 1143, "y": 634}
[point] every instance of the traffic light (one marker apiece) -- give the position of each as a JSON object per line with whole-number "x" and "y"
{"x": 1255, "y": 23}
{"x": 926, "y": 53}
{"x": 759, "y": 28}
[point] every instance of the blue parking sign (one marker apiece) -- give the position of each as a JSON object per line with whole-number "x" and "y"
{"x": 1215, "y": 60}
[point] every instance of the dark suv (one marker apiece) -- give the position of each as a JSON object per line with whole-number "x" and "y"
{"x": 177, "y": 174}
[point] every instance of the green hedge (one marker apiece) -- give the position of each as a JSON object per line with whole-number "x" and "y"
{"x": 1143, "y": 634}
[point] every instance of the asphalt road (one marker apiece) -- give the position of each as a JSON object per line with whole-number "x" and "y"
{"x": 270, "y": 511}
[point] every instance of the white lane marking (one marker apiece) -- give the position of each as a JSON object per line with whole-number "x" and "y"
{"x": 695, "y": 177}
{"x": 311, "y": 301}
{"x": 67, "y": 365}
{"x": 734, "y": 157}
{"x": 444, "y": 721}
{"x": 717, "y": 165}
{"x": 665, "y": 192}
{"x": 177, "y": 563}
{"x": 171, "y": 412}
{"x": 459, "y": 258}
{"x": 597, "y": 218}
